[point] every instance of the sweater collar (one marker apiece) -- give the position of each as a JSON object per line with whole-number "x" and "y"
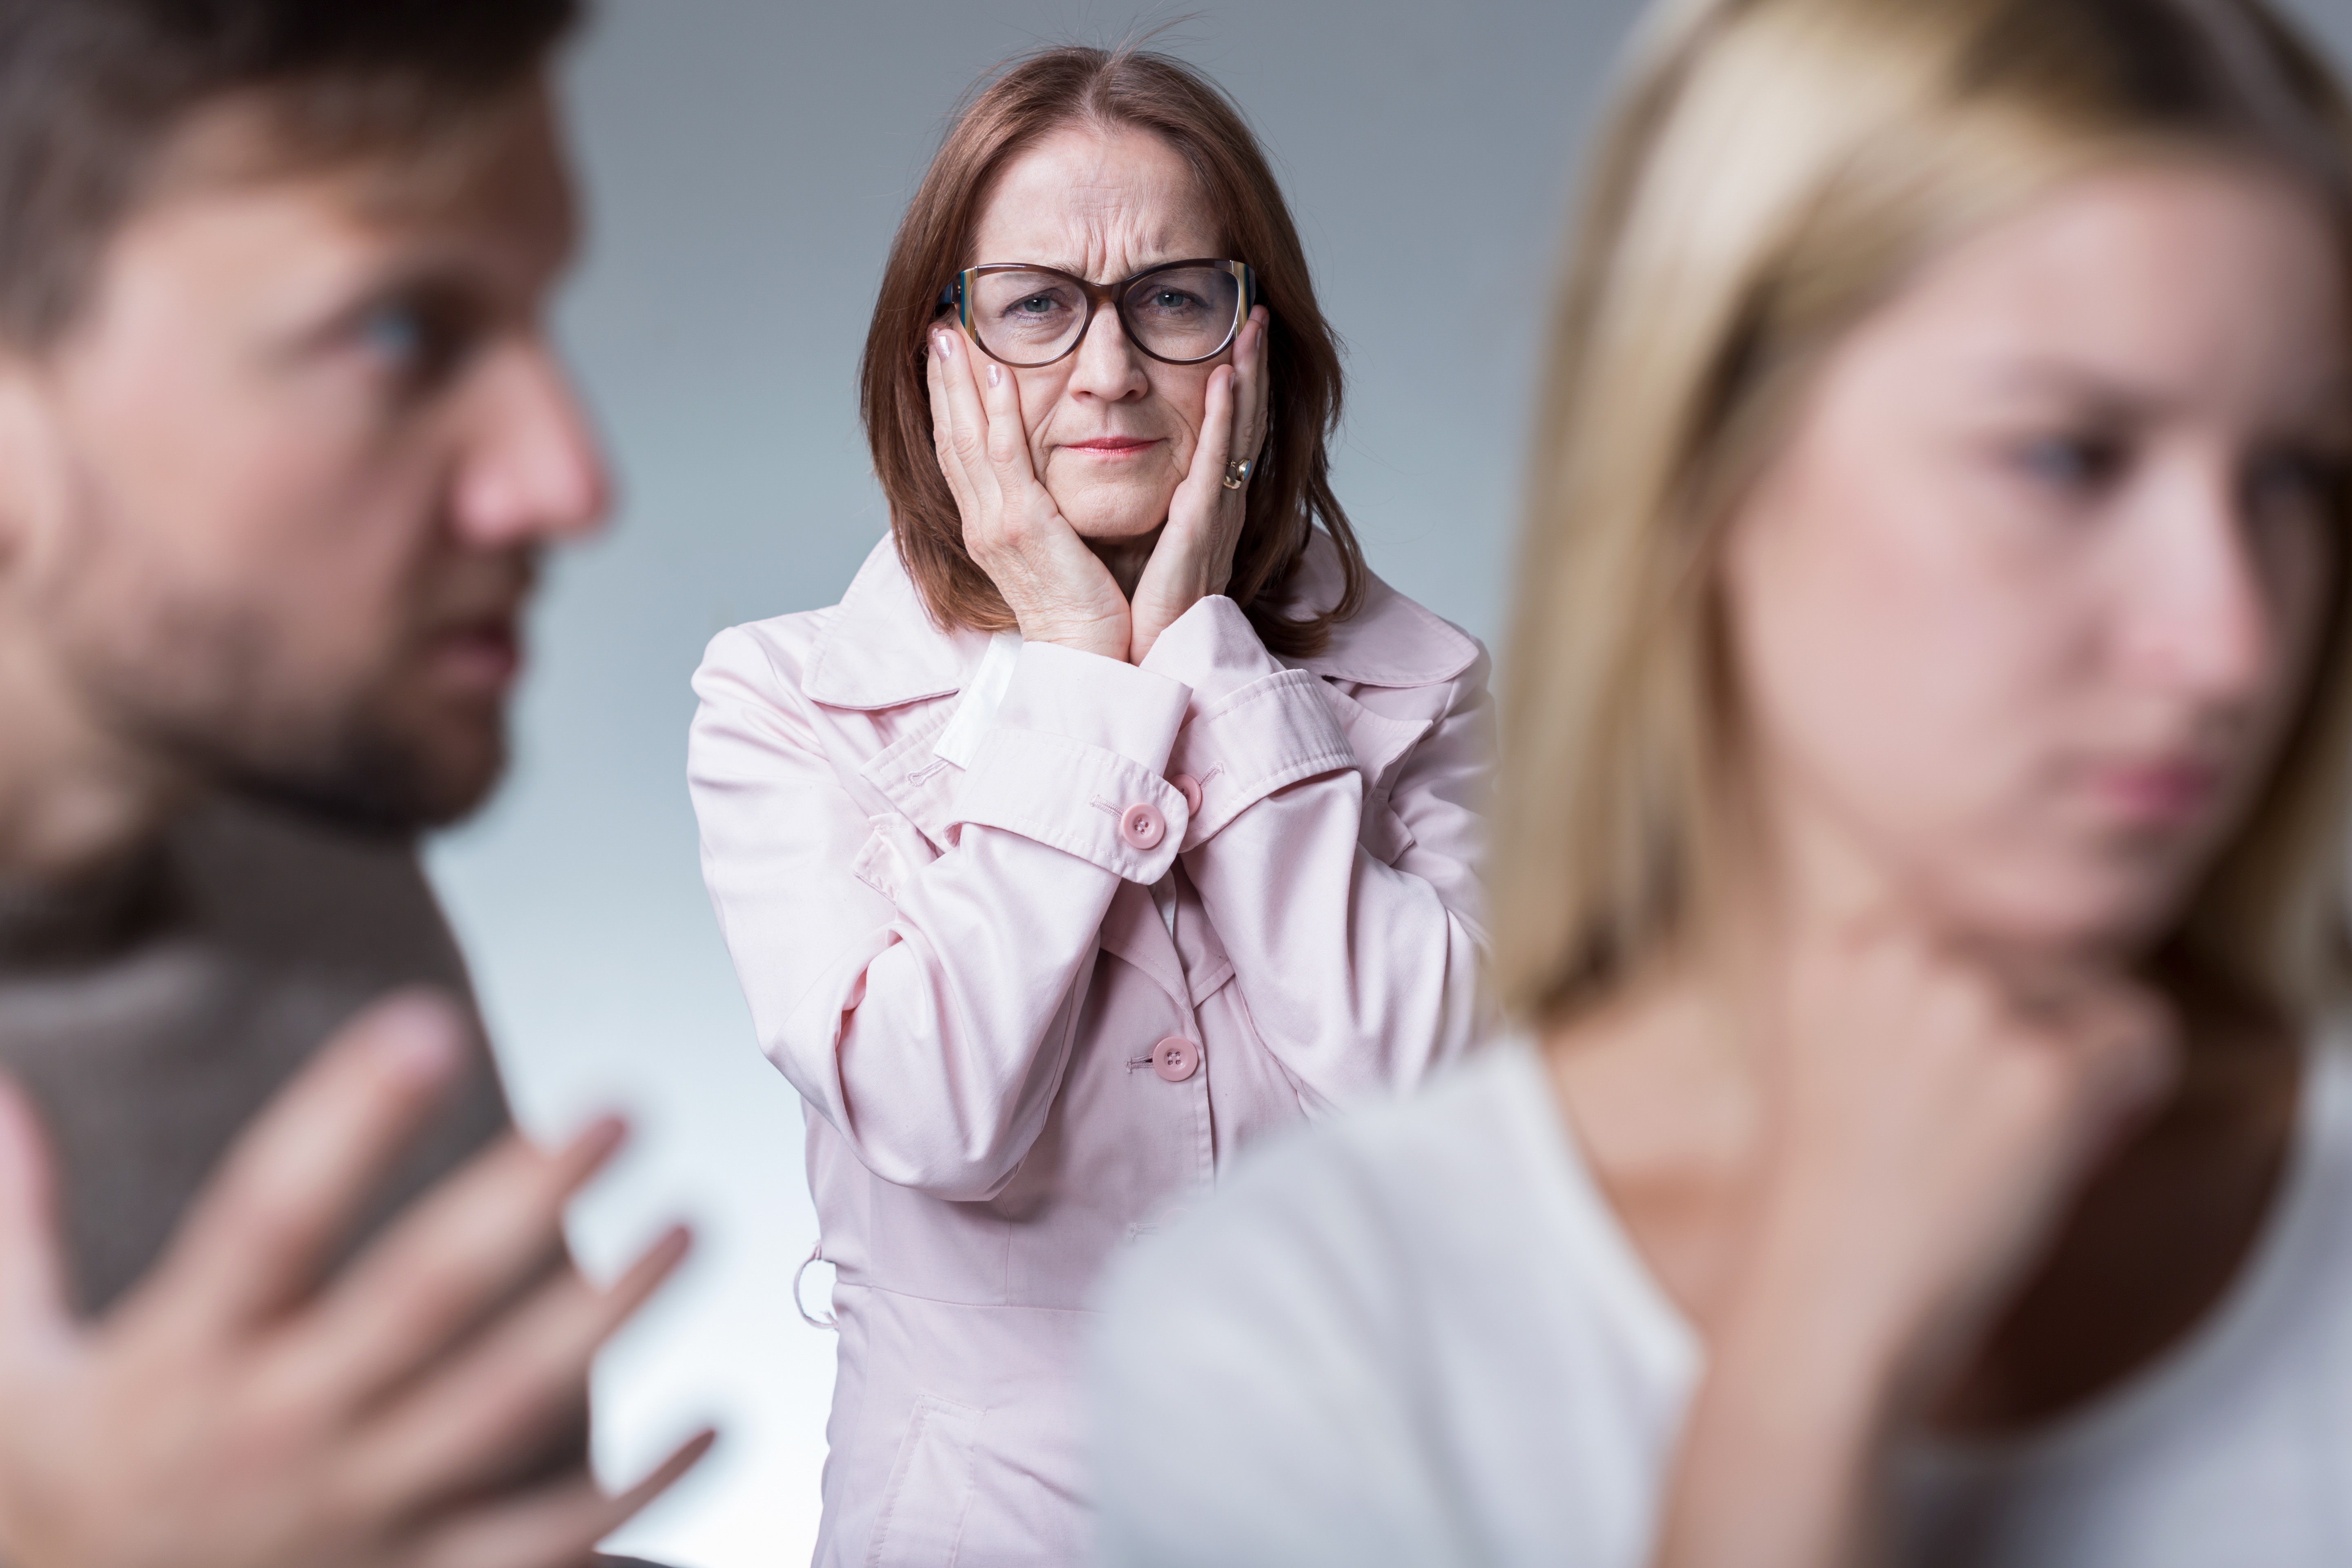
{"x": 91, "y": 917}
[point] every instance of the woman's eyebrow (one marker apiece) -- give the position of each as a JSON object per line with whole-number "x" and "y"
{"x": 1148, "y": 251}
{"x": 2111, "y": 397}
{"x": 2113, "y": 400}
{"x": 1076, "y": 271}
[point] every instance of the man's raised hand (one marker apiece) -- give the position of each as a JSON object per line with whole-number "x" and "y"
{"x": 423, "y": 1407}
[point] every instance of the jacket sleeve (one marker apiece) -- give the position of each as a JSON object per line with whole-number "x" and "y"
{"x": 924, "y": 1002}
{"x": 1360, "y": 970}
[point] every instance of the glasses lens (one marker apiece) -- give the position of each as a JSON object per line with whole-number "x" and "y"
{"x": 1026, "y": 317}
{"x": 1183, "y": 312}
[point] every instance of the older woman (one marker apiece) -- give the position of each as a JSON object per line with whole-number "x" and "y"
{"x": 1116, "y": 817}
{"x": 1920, "y": 871}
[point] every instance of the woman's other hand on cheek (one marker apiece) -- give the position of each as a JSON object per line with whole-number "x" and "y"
{"x": 1194, "y": 556}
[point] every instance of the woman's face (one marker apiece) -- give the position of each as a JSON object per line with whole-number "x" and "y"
{"x": 1112, "y": 430}
{"x": 2022, "y": 610}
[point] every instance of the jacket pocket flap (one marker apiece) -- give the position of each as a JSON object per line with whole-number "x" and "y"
{"x": 921, "y": 1522}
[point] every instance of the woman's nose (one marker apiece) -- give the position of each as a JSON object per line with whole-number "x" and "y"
{"x": 1109, "y": 364}
{"x": 2204, "y": 619}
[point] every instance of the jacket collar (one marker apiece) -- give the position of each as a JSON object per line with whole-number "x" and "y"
{"x": 882, "y": 649}
{"x": 1392, "y": 641}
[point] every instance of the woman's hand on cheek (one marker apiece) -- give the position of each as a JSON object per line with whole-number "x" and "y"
{"x": 1056, "y": 588}
{"x": 1194, "y": 556}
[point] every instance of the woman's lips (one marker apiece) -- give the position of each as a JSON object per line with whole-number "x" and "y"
{"x": 1112, "y": 445}
{"x": 2156, "y": 793}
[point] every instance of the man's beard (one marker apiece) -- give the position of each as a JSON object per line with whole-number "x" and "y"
{"x": 361, "y": 759}
{"x": 370, "y": 780}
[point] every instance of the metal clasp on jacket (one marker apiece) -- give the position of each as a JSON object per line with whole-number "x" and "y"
{"x": 816, "y": 1254}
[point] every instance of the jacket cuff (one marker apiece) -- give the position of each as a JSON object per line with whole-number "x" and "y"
{"x": 1213, "y": 649}
{"x": 1269, "y": 735}
{"x": 1075, "y": 760}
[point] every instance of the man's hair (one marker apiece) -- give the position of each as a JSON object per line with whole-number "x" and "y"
{"x": 92, "y": 91}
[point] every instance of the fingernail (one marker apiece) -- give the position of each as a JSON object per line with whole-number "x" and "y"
{"x": 996, "y": 375}
{"x": 601, "y": 1137}
{"x": 420, "y": 1037}
{"x": 939, "y": 342}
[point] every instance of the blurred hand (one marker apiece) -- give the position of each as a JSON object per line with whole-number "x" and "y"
{"x": 1195, "y": 555}
{"x": 236, "y": 1411}
{"x": 1938, "y": 1113}
{"x": 1058, "y": 589}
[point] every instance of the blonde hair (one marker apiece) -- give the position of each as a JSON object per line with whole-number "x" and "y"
{"x": 1775, "y": 170}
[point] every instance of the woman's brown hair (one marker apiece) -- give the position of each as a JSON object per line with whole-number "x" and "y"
{"x": 1291, "y": 490}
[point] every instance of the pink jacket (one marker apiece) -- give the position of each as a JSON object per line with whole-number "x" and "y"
{"x": 1039, "y": 974}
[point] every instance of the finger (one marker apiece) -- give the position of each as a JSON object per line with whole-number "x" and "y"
{"x": 945, "y": 436}
{"x": 1216, "y": 433}
{"x": 299, "y": 1178}
{"x": 976, "y": 433}
{"x": 463, "y": 1249}
{"x": 1250, "y": 391}
{"x": 555, "y": 1527}
{"x": 34, "y": 1292}
{"x": 1008, "y": 433}
{"x": 489, "y": 1413}
{"x": 2127, "y": 1046}
{"x": 1202, "y": 500}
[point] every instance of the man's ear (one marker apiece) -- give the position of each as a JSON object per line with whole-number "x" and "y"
{"x": 29, "y": 490}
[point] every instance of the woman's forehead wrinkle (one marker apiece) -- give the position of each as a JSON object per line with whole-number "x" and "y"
{"x": 1115, "y": 239}
{"x": 1107, "y": 232}
{"x": 1098, "y": 210}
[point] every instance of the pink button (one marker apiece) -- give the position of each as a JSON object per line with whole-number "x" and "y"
{"x": 1142, "y": 825}
{"x": 1189, "y": 788}
{"x": 1175, "y": 1058}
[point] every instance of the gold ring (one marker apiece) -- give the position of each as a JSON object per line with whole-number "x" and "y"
{"x": 1237, "y": 474}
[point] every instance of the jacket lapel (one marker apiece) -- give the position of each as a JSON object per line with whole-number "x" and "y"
{"x": 881, "y": 649}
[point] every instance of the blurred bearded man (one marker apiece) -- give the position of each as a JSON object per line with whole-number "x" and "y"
{"x": 281, "y": 436}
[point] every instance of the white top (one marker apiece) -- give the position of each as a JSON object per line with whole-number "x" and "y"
{"x": 1422, "y": 1337}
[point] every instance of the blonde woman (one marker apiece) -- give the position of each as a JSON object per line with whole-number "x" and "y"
{"x": 1919, "y": 871}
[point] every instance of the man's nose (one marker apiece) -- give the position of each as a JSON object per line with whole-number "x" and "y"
{"x": 533, "y": 471}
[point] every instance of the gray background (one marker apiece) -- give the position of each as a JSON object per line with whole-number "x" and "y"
{"x": 746, "y": 161}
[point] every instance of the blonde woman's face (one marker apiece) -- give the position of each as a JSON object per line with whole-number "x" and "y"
{"x": 2020, "y": 614}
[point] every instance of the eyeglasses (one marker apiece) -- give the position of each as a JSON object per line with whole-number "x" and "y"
{"x": 1178, "y": 312}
